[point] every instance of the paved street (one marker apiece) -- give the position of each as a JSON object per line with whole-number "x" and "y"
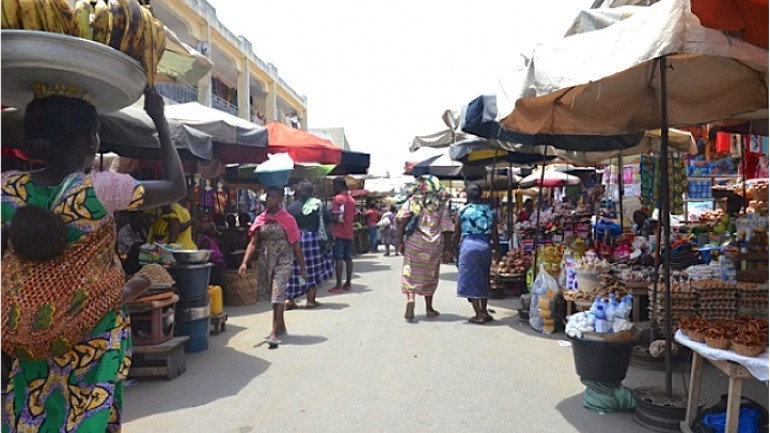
{"x": 355, "y": 365}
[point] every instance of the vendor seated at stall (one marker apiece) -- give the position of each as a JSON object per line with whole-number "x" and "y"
{"x": 207, "y": 240}
{"x": 173, "y": 226}
{"x": 133, "y": 232}
{"x": 526, "y": 213}
{"x": 640, "y": 218}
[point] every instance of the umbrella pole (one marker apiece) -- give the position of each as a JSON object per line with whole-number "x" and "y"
{"x": 620, "y": 189}
{"x": 509, "y": 215}
{"x": 666, "y": 218}
{"x": 539, "y": 208}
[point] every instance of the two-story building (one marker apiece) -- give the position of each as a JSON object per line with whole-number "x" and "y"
{"x": 240, "y": 83}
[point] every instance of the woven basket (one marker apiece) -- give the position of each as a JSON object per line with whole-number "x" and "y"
{"x": 696, "y": 335}
{"x": 720, "y": 343}
{"x": 239, "y": 290}
{"x": 750, "y": 351}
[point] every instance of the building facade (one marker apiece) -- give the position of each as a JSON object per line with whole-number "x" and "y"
{"x": 240, "y": 83}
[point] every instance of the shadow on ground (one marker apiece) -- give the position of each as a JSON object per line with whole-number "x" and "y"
{"x": 448, "y": 276}
{"x": 588, "y": 421}
{"x": 187, "y": 386}
{"x": 370, "y": 265}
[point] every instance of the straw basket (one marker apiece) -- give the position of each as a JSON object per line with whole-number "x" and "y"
{"x": 239, "y": 290}
{"x": 750, "y": 351}
{"x": 718, "y": 343}
{"x": 696, "y": 335}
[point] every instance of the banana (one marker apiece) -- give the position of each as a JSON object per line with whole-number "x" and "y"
{"x": 83, "y": 12}
{"x": 119, "y": 23}
{"x": 161, "y": 40}
{"x": 11, "y": 14}
{"x": 102, "y": 22}
{"x": 66, "y": 16}
{"x": 30, "y": 18}
{"x": 147, "y": 47}
{"x": 132, "y": 38}
{"x": 51, "y": 22}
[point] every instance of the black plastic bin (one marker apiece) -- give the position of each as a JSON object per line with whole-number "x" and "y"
{"x": 603, "y": 361}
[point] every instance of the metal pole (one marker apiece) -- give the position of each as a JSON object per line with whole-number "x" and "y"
{"x": 665, "y": 217}
{"x": 620, "y": 188}
{"x": 509, "y": 216}
{"x": 539, "y": 208}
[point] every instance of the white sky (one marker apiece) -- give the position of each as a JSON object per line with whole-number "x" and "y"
{"x": 386, "y": 71}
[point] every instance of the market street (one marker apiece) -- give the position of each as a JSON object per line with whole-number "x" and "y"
{"x": 355, "y": 365}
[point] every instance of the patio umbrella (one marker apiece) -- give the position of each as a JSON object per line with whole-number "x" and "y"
{"x": 443, "y": 167}
{"x": 301, "y": 146}
{"x": 656, "y": 68}
{"x": 552, "y": 178}
{"x": 485, "y": 151}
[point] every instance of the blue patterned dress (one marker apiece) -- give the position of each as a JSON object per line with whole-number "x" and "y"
{"x": 475, "y": 257}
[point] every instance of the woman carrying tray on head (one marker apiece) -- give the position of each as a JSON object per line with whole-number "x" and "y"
{"x": 62, "y": 380}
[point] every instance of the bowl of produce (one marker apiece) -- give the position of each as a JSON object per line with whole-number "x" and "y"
{"x": 191, "y": 256}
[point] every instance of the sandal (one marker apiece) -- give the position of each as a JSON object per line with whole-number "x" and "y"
{"x": 409, "y": 314}
{"x": 290, "y": 305}
{"x": 476, "y": 321}
{"x": 346, "y": 286}
{"x": 335, "y": 290}
{"x": 488, "y": 318}
{"x": 312, "y": 304}
{"x": 272, "y": 343}
{"x": 432, "y": 314}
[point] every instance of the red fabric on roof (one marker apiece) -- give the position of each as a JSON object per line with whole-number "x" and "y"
{"x": 303, "y": 147}
{"x": 748, "y": 16}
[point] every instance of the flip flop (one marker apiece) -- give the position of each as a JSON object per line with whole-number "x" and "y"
{"x": 488, "y": 319}
{"x": 290, "y": 306}
{"x": 346, "y": 287}
{"x": 475, "y": 321}
{"x": 313, "y": 304}
{"x": 432, "y": 314}
{"x": 335, "y": 290}
{"x": 272, "y": 343}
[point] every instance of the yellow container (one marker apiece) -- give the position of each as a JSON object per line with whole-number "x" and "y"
{"x": 215, "y": 294}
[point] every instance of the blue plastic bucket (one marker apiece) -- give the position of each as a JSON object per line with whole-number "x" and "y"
{"x": 198, "y": 331}
{"x": 705, "y": 254}
{"x": 192, "y": 281}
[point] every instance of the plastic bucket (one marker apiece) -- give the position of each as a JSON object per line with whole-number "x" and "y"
{"x": 198, "y": 331}
{"x": 192, "y": 309}
{"x": 602, "y": 361}
{"x": 192, "y": 281}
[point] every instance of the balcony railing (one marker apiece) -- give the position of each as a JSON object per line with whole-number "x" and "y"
{"x": 222, "y": 105}
{"x": 181, "y": 93}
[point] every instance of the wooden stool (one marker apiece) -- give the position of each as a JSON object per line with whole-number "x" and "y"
{"x": 165, "y": 360}
{"x": 218, "y": 322}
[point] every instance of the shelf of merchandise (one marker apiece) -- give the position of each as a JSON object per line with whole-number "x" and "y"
{"x": 712, "y": 178}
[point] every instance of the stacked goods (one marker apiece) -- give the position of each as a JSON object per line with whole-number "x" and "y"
{"x": 682, "y": 301}
{"x": 514, "y": 262}
{"x": 715, "y": 299}
{"x": 745, "y": 335}
{"x": 752, "y": 299}
{"x": 124, "y": 25}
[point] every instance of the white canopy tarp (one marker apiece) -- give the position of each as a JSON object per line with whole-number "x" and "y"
{"x": 444, "y": 138}
{"x": 712, "y": 76}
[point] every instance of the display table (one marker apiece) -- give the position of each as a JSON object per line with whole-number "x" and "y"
{"x": 737, "y": 368}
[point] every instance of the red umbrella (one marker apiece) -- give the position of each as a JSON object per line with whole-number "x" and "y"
{"x": 302, "y": 146}
{"x": 748, "y": 16}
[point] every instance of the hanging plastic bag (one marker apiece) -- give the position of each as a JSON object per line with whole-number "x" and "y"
{"x": 542, "y": 310}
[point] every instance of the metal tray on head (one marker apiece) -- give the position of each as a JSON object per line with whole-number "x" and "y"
{"x": 112, "y": 79}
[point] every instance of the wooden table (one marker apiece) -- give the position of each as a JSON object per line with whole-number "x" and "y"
{"x": 736, "y": 374}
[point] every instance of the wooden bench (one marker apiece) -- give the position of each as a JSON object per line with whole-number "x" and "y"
{"x": 165, "y": 360}
{"x": 218, "y": 323}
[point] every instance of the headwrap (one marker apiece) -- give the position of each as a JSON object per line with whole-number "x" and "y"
{"x": 287, "y": 222}
{"x": 311, "y": 205}
{"x": 426, "y": 193}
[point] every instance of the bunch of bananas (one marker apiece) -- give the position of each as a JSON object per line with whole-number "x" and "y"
{"x": 125, "y": 25}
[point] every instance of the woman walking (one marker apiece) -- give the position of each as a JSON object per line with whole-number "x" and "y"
{"x": 389, "y": 232}
{"x": 476, "y": 234}
{"x": 425, "y": 222}
{"x": 72, "y": 384}
{"x": 312, "y": 218}
{"x": 275, "y": 240}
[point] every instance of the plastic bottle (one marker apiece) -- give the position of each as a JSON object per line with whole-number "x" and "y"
{"x": 597, "y": 302}
{"x": 608, "y": 311}
{"x": 600, "y": 325}
{"x": 627, "y": 305}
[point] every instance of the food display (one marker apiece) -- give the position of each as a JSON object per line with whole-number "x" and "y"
{"x": 608, "y": 285}
{"x": 124, "y": 25}
{"x": 156, "y": 273}
{"x": 515, "y": 262}
{"x": 745, "y": 335}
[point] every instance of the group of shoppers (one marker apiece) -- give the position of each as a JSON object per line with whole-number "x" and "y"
{"x": 381, "y": 224}
{"x": 425, "y": 225}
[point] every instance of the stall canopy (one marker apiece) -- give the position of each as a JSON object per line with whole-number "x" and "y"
{"x": 552, "y": 178}
{"x": 480, "y": 118}
{"x": 746, "y": 16}
{"x": 443, "y": 167}
{"x": 443, "y": 138}
{"x": 302, "y": 146}
{"x": 352, "y": 163}
{"x": 712, "y": 76}
{"x": 418, "y": 156}
{"x": 680, "y": 140}
{"x": 485, "y": 151}
{"x": 181, "y": 63}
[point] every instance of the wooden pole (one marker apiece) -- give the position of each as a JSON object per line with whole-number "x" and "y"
{"x": 620, "y": 188}
{"x": 665, "y": 212}
{"x": 539, "y": 209}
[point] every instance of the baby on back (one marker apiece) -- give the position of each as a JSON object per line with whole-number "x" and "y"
{"x": 37, "y": 234}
